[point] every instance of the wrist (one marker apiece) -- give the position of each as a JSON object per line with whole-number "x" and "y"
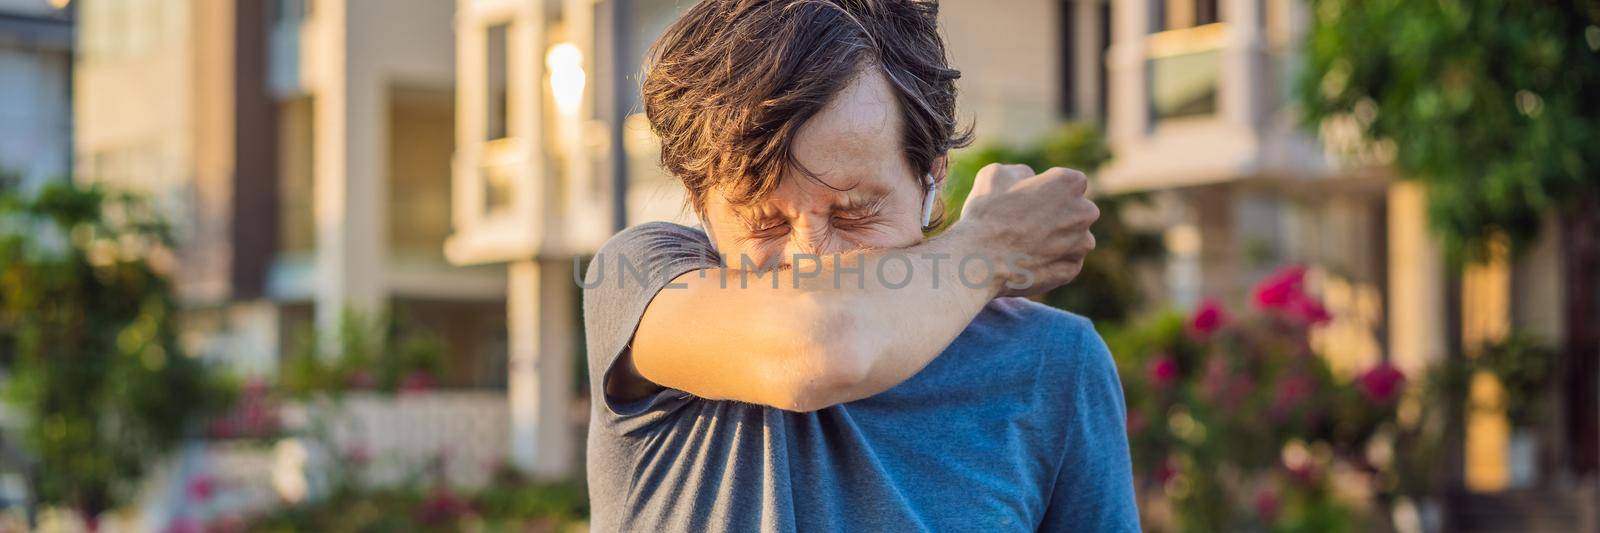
{"x": 971, "y": 240}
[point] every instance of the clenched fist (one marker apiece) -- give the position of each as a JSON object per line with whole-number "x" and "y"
{"x": 1036, "y": 224}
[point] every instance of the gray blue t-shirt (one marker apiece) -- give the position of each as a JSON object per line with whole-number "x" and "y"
{"x": 1017, "y": 426}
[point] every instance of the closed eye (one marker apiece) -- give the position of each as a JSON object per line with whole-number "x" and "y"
{"x": 866, "y": 215}
{"x": 857, "y": 221}
{"x": 768, "y": 230}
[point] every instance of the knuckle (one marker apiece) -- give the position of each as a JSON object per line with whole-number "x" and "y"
{"x": 1055, "y": 179}
{"x": 1071, "y": 175}
{"x": 1020, "y": 170}
{"x": 987, "y": 173}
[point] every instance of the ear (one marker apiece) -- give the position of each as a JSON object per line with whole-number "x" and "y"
{"x": 933, "y": 184}
{"x": 940, "y": 170}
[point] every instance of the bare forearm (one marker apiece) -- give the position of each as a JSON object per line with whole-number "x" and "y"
{"x": 914, "y": 303}
{"x": 831, "y": 329}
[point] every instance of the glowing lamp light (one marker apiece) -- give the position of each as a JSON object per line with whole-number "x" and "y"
{"x": 567, "y": 78}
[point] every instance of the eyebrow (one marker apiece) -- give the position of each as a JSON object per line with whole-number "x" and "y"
{"x": 869, "y": 202}
{"x": 862, "y": 201}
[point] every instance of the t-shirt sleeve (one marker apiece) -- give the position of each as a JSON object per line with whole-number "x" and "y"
{"x": 1093, "y": 489}
{"x": 621, "y": 279}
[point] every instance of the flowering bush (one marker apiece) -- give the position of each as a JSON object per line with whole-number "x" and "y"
{"x": 90, "y": 360}
{"x": 508, "y": 503}
{"x": 1236, "y": 424}
{"x": 255, "y": 414}
{"x": 377, "y": 352}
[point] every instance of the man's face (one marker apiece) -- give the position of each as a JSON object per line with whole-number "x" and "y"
{"x": 865, "y": 194}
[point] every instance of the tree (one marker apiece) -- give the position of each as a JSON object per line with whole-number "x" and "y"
{"x": 1107, "y": 288}
{"x": 88, "y": 345}
{"x": 1495, "y": 106}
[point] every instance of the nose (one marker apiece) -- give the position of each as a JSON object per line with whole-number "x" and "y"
{"x": 810, "y": 237}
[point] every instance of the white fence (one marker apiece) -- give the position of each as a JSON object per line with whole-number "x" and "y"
{"x": 466, "y": 433}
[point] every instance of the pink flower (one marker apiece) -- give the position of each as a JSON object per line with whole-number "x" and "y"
{"x": 1280, "y": 288}
{"x": 221, "y": 428}
{"x": 1163, "y": 371}
{"x": 1305, "y": 473}
{"x": 231, "y": 523}
{"x": 361, "y": 379}
{"x": 358, "y": 455}
{"x": 418, "y": 381}
{"x": 1284, "y": 292}
{"x": 442, "y": 506}
{"x": 258, "y": 418}
{"x": 255, "y": 387}
{"x": 200, "y": 488}
{"x": 1208, "y": 318}
{"x": 1222, "y": 386}
{"x": 1308, "y": 310}
{"x": 1165, "y": 471}
{"x": 1382, "y": 383}
{"x": 183, "y": 525}
{"x": 1266, "y": 505}
{"x": 1291, "y": 391}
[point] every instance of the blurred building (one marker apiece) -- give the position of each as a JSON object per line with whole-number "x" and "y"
{"x": 35, "y": 89}
{"x": 451, "y": 160}
{"x": 303, "y": 150}
{"x": 304, "y": 147}
{"x": 1200, "y": 112}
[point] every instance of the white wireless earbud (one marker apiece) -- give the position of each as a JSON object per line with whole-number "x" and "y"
{"x": 705, "y": 225}
{"x": 927, "y": 200}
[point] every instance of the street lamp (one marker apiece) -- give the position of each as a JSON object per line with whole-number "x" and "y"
{"x": 567, "y": 79}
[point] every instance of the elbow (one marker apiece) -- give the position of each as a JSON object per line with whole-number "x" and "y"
{"x": 833, "y": 378}
{"x": 831, "y": 364}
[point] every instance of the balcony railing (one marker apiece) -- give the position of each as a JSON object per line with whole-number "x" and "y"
{"x": 501, "y": 163}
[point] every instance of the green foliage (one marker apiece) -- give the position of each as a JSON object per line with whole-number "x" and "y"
{"x": 1106, "y": 289}
{"x": 366, "y": 352}
{"x": 508, "y": 503}
{"x": 88, "y": 342}
{"x": 511, "y": 496}
{"x": 1525, "y": 368}
{"x": 1492, "y": 103}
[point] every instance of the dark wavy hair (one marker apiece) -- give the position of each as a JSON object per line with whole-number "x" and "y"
{"x": 729, "y": 85}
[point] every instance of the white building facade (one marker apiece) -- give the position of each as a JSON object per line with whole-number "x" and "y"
{"x": 36, "y": 42}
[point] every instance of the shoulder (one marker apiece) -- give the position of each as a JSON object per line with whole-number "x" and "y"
{"x": 655, "y": 235}
{"x": 1071, "y": 349}
{"x": 1052, "y": 320}
{"x": 1053, "y": 327}
{"x": 654, "y": 248}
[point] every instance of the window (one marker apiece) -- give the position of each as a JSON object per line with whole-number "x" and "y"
{"x": 297, "y": 230}
{"x": 497, "y": 121}
{"x": 286, "y": 11}
{"x": 1077, "y": 100}
{"x": 1179, "y": 14}
{"x": 1184, "y": 60}
{"x": 1069, "y": 59}
{"x": 1185, "y": 84}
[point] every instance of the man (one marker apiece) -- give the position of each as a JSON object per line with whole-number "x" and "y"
{"x": 810, "y": 361}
